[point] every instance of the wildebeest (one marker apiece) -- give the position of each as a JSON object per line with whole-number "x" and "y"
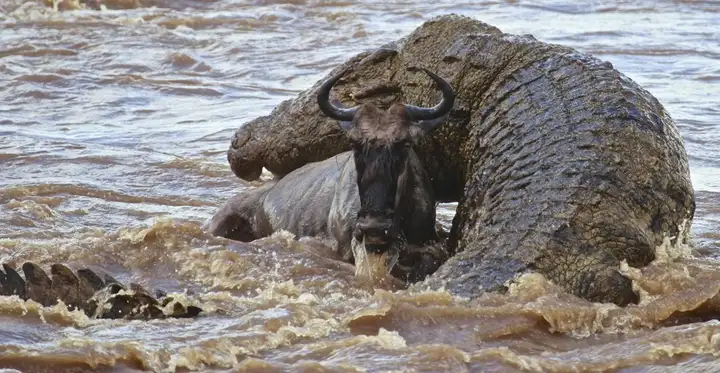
{"x": 378, "y": 193}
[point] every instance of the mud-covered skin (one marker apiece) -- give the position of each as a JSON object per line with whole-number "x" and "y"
{"x": 560, "y": 164}
{"x": 86, "y": 291}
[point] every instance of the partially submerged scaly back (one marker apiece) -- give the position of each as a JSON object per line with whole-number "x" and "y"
{"x": 97, "y": 297}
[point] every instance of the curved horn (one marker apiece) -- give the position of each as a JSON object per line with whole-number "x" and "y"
{"x": 417, "y": 113}
{"x": 332, "y": 111}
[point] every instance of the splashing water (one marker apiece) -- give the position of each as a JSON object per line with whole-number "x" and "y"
{"x": 114, "y": 130}
{"x": 372, "y": 267}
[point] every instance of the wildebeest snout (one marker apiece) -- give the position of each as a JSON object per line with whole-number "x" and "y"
{"x": 374, "y": 230}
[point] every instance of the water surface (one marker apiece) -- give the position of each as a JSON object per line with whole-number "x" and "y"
{"x": 113, "y": 131}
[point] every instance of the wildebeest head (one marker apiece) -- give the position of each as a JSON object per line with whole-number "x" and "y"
{"x": 382, "y": 143}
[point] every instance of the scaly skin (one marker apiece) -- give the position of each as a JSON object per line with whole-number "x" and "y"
{"x": 560, "y": 164}
{"x": 86, "y": 291}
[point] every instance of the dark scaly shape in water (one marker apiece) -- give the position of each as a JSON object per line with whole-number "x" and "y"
{"x": 560, "y": 164}
{"x": 92, "y": 4}
{"x": 38, "y": 285}
{"x": 11, "y": 283}
{"x": 379, "y": 193}
{"x": 88, "y": 292}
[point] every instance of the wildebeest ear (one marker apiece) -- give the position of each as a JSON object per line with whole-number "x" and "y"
{"x": 345, "y": 125}
{"x": 429, "y": 125}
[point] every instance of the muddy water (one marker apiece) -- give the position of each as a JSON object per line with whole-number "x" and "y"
{"x": 113, "y": 132}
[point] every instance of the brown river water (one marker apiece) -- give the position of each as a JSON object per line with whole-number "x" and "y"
{"x": 113, "y": 130}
